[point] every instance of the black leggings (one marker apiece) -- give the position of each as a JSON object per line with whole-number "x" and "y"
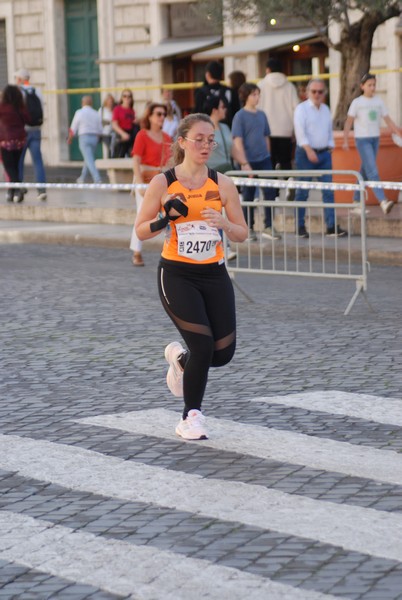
{"x": 200, "y": 301}
{"x": 11, "y": 160}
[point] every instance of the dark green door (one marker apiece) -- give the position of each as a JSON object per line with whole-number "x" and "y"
{"x": 81, "y": 54}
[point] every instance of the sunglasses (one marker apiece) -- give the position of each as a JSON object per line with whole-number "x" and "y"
{"x": 317, "y": 91}
{"x": 126, "y": 96}
{"x": 159, "y": 113}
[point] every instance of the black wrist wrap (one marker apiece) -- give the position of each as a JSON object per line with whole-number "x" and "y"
{"x": 178, "y": 206}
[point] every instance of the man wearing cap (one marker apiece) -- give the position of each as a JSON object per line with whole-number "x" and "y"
{"x": 34, "y": 136}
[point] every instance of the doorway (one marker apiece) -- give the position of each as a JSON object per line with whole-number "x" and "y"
{"x": 81, "y": 22}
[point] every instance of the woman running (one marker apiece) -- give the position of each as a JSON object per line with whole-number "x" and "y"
{"x": 194, "y": 286}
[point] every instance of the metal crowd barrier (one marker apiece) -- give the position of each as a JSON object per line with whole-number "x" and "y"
{"x": 103, "y": 187}
{"x": 319, "y": 256}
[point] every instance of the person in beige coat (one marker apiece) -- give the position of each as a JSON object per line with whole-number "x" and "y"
{"x": 278, "y": 99}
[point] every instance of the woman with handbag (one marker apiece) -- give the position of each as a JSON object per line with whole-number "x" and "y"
{"x": 13, "y": 118}
{"x": 124, "y": 125}
{"x": 151, "y": 154}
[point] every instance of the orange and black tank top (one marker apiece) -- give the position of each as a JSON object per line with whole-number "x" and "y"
{"x": 190, "y": 239}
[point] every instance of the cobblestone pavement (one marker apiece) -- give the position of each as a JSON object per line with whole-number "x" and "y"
{"x": 296, "y": 495}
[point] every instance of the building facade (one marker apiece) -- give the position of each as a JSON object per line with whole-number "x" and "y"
{"x": 142, "y": 44}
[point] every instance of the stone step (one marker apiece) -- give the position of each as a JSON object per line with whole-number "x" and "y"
{"x": 378, "y": 225}
{"x": 118, "y": 208}
{"x": 385, "y": 251}
{"x": 67, "y": 214}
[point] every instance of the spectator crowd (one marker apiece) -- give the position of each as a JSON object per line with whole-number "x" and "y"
{"x": 264, "y": 126}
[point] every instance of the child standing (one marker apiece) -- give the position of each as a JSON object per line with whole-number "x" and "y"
{"x": 250, "y": 131}
{"x": 365, "y": 114}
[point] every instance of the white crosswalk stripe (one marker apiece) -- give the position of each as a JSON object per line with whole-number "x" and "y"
{"x": 123, "y": 568}
{"x": 146, "y": 572}
{"x": 285, "y": 446}
{"x": 351, "y": 527}
{"x": 361, "y": 406}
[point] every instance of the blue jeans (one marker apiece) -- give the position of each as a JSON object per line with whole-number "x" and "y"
{"x": 87, "y": 143}
{"x": 324, "y": 163}
{"x": 248, "y": 194}
{"x": 368, "y": 149}
{"x": 34, "y": 137}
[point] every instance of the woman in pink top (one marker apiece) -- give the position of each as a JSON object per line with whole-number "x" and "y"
{"x": 124, "y": 124}
{"x": 151, "y": 154}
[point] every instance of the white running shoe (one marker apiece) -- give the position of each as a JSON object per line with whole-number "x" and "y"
{"x": 386, "y": 206}
{"x": 193, "y": 427}
{"x": 359, "y": 211}
{"x": 174, "y": 377}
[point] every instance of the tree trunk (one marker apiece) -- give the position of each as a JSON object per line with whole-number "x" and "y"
{"x": 355, "y": 46}
{"x": 354, "y": 64}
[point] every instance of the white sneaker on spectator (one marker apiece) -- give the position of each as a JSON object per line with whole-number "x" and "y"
{"x": 174, "y": 377}
{"x": 386, "y": 206}
{"x": 269, "y": 233}
{"x": 358, "y": 210}
{"x": 193, "y": 427}
{"x": 252, "y": 236}
{"x": 290, "y": 192}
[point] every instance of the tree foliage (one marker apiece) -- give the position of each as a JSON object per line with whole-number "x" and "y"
{"x": 316, "y": 14}
{"x": 357, "y": 21}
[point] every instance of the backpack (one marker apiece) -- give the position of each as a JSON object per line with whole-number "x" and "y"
{"x": 34, "y": 107}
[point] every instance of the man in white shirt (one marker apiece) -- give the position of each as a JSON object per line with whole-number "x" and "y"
{"x": 87, "y": 125}
{"x": 314, "y": 144}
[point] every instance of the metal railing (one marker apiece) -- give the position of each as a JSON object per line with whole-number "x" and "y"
{"x": 318, "y": 256}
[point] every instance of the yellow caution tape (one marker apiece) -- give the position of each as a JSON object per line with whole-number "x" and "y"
{"x": 193, "y": 85}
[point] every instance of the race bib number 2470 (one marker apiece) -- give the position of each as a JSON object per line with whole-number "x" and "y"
{"x": 197, "y": 240}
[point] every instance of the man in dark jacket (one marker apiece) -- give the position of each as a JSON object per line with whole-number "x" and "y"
{"x": 214, "y": 87}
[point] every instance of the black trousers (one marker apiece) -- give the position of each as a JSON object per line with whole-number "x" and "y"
{"x": 281, "y": 152}
{"x": 281, "y": 155}
{"x": 124, "y": 148}
{"x": 11, "y": 159}
{"x": 200, "y": 301}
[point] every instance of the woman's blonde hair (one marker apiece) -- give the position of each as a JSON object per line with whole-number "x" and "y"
{"x": 184, "y": 127}
{"x": 107, "y": 98}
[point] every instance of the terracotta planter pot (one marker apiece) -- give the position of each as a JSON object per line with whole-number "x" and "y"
{"x": 389, "y": 161}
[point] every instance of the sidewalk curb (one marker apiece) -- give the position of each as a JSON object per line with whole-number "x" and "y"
{"x": 54, "y": 234}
